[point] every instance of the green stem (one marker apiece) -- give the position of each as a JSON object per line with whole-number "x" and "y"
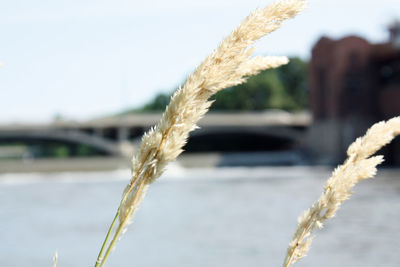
{"x": 100, "y": 257}
{"x": 100, "y": 260}
{"x": 121, "y": 226}
{"x": 112, "y": 244}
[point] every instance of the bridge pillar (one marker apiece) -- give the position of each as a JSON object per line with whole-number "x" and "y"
{"x": 98, "y": 132}
{"x": 122, "y": 134}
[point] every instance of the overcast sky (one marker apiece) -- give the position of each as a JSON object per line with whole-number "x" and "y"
{"x": 87, "y": 58}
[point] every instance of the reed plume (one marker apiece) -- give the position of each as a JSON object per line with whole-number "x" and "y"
{"x": 358, "y": 166}
{"x": 230, "y": 64}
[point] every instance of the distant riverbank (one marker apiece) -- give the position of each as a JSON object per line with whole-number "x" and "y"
{"x": 189, "y": 160}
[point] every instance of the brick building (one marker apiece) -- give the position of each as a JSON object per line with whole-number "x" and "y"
{"x": 353, "y": 84}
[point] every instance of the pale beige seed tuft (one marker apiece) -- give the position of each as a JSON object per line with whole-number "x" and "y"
{"x": 358, "y": 166}
{"x": 230, "y": 64}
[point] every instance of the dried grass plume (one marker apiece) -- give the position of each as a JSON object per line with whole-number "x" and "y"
{"x": 230, "y": 64}
{"x": 359, "y": 165}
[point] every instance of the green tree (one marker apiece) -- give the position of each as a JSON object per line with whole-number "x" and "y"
{"x": 159, "y": 103}
{"x": 281, "y": 88}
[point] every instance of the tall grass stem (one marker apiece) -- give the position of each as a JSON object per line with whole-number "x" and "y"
{"x": 229, "y": 65}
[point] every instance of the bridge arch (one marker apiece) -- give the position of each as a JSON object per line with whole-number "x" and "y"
{"x": 68, "y": 137}
{"x": 250, "y": 139}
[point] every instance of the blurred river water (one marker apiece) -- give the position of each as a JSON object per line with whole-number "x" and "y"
{"x": 195, "y": 217}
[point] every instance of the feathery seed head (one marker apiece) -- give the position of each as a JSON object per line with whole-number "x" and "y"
{"x": 359, "y": 166}
{"x": 230, "y": 64}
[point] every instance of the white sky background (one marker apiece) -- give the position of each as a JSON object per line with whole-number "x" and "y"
{"x": 88, "y": 58}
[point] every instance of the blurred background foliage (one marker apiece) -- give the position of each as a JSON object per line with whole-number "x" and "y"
{"x": 282, "y": 88}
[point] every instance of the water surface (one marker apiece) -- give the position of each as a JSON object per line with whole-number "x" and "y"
{"x": 195, "y": 217}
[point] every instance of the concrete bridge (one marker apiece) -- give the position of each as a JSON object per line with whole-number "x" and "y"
{"x": 120, "y": 135}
